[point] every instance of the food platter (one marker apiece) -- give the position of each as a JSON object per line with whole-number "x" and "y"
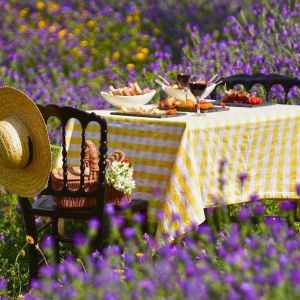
{"x": 147, "y": 112}
{"x": 210, "y": 110}
{"x": 147, "y": 115}
{"x": 240, "y": 104}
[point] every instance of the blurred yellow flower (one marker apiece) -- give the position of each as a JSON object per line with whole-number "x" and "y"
{"x": 23, "y": 28}
{"x": 53, "y": 6}
{"x": 40, "y": 5}
{"x": 29, "y": 239}
{"x": 133, "y": 44}
{"x": 83, "y": 70}
{"x": 129, "y": 19}
{"x": 139, "y": 254}
{"x": 84, "y": 44}
{"x": 119, "y": 271}
{"x": 76, "y": 31}
{"x": 22, "y": 252}
{"x": 90, "y": 23}
{"x": 140, "y": 56}
{"x": 75, "y": 50}
{"x": 116, "y": 55}
{"x": 156, "y": 31}
{"x": 52, "y": 28}
{"x": 106, "y": 60}
{"x": 41, "y": 24}
{"x": 20, "y": 296}
{"x": 23, "y": 12}
{"x": 145, "y": 51}
{"x": 94, "y": 51}
{"x": 136, "y": 13}
{"x": 62, "y": 33}
{"x": 137, "y": 19}
{"x": 115, "y": 34}
{"x": 130, "y": 66}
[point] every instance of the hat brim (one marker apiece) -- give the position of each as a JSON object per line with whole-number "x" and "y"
{"x": 32, "y": 179}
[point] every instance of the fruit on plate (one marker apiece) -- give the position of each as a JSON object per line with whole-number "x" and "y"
{"x": 205, "y": 105}
{"x": 241, "y": 97}
{"x": 170, "y": 102}
{"x": 190, "y": 104}
{"x": 255, "y": 100}
{"x": 132, "y": 90}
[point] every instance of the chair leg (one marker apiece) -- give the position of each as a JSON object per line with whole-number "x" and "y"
{"x": 33, "y": 263}
{"x": 55, "y": 236}
{"x": 32, "y": 231}
{"x": 98, "y": 241}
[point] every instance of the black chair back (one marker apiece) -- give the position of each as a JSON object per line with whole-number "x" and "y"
{"x": 64, "y": 114}
{"x": 267, "y": 81}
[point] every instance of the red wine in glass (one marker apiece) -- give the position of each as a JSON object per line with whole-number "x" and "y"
{"x": 184, "y": 79}
{"x": 197, "y": 88}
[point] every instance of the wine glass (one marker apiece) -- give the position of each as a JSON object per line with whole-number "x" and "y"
{"x": 197, "y": 88}
{"x": 184, "y": 78}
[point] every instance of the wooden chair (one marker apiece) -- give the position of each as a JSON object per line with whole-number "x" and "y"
{"x": 46, "y": 207}
{"x": 267, "y": 81}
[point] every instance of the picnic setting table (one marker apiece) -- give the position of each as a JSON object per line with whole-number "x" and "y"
{"x": 177, "y": 160}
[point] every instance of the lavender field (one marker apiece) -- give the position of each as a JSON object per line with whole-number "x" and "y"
{"x": 66, "y": 52}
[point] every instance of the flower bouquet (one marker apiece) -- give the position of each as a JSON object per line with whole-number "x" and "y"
{"x": 119, "y": 181}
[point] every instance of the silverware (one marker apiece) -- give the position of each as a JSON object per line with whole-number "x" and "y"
{"x": 164, "y": 80}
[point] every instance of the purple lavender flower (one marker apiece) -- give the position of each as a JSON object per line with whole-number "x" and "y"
{"x": 287, "y": 205}
{"x": 129, "y": 232}
{"x": 94, "y": 224}
{"x": 243, "y": 214}
{"x": 3, "y": 284}
{"x": 79, "y": 239}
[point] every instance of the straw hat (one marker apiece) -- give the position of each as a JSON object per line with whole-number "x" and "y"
{"x": 25, "y": 156}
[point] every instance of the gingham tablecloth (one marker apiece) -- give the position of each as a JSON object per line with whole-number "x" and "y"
{"x": 177, "y": 160}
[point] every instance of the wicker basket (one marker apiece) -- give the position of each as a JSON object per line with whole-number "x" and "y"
{"x": 90, "y": 181}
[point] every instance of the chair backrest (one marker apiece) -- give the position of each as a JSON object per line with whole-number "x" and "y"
{"x": 267, "y": 81}
{"x": 64, "y": 114}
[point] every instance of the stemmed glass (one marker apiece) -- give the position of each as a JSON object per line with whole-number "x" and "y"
{"x": 197, "y": 87}
{"x": 184, "y": 78}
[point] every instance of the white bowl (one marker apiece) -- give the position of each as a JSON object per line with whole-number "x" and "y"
{"x": 177, "y": 93}
{"x": 128, "y": 101}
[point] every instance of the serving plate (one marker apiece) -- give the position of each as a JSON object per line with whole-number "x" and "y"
{"x": 147, "y": 115}
{"x": 214, "y": 109}
{"x": 128, "y": 101}
{"x": 237, "y": 104}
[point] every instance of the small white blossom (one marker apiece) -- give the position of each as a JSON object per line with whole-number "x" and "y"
{"x": 120, "y": 176}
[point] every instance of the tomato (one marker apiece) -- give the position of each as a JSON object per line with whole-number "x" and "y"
{"x": 258, "y": 100}
{"x": 223, "y": 104}
{"x": 252, "y": 100}
{"x": 255, "y": 100}
{"x": 161, "y": 104}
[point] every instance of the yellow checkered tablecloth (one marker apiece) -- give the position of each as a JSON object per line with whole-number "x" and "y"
{"x": 181, "y": 156}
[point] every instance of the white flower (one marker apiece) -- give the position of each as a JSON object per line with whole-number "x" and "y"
{"x": 120, "y": 176}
